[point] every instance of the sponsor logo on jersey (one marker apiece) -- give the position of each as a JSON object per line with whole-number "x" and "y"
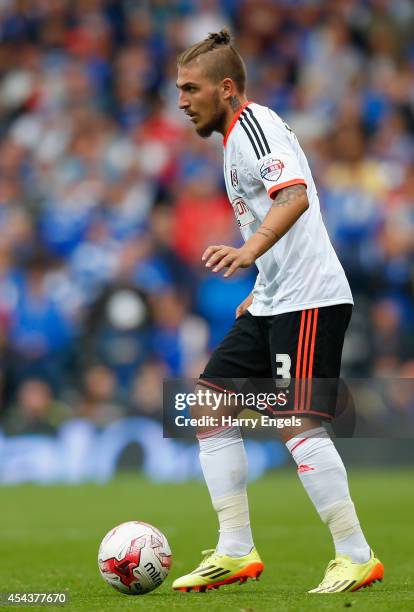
{"x": 271, "y": 169}
{"x": 234, "y": 179}
{"x": 243, "y": 213}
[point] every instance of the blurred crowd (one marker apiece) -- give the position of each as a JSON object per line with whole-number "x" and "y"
{"x": 108, "y": 198}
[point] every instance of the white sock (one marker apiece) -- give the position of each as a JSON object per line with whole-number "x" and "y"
{"x": 224, "y": 464}
{"x": 323, "y": 475}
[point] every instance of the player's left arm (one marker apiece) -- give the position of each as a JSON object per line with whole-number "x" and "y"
{"x": 288, "y": 205}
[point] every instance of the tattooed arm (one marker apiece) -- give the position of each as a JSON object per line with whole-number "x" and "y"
{"x": 289, "y": 204}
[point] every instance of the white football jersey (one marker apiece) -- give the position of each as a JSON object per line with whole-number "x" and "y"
{"x": 261, "y": 156}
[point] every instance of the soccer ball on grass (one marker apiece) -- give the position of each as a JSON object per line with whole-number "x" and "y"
{"x": 134, "y": 558}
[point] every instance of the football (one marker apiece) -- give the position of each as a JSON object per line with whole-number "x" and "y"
{"x": 134, "y": 558}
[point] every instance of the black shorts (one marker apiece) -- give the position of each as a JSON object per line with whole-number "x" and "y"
{"x": 298, "y": 352}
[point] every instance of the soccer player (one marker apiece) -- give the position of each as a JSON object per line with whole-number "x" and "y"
{"x": 293, "y": 323}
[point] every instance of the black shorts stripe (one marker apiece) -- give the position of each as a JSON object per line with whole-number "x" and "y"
{"x": 250, "y": 138}
{"x": 259, "y": 127}
{"x": 253, "y": 132}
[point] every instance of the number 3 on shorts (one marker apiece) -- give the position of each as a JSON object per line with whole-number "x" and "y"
{"x": 283, "y": 370}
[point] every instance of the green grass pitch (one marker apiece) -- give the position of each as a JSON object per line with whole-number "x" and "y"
{"x": 50, "y": 537}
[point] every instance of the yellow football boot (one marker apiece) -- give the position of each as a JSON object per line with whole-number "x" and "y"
{"x": 216, "y": 570}
{"x": 343, "y": 576}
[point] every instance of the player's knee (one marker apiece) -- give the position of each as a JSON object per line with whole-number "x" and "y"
{"x": 212, "y": 403}
{"x": 307, "y": 423}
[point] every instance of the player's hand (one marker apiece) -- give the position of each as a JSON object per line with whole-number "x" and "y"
{"x": 219, "y": 257}
{"x": 241, "y": 308}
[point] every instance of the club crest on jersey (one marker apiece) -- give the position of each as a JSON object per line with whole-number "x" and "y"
{"x": 234, "y": 178}
{"x": 271, "y": 169}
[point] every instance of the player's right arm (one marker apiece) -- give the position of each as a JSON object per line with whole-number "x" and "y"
{"x": 288, "y": 205}
{"x": 279, "y": 170}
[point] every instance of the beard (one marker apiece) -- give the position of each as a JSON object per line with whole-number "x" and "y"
{"x": 216, "y": 122}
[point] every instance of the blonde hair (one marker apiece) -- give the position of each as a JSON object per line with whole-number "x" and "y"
{"x": 222, "y": 59}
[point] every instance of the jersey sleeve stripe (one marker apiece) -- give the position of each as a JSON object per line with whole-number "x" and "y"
{"x": 273, "y": 190}
{"x": 244, "y": 116}
{"x": 250, "y": 138}
{"x": 259, "y": 127}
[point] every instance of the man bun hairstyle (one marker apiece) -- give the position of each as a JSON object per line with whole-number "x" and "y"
{"x": 219, "y": 58}
{"x": 220, "y": 38}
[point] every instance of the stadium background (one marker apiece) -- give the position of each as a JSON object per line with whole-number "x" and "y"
{"x": 108, "y": 198}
